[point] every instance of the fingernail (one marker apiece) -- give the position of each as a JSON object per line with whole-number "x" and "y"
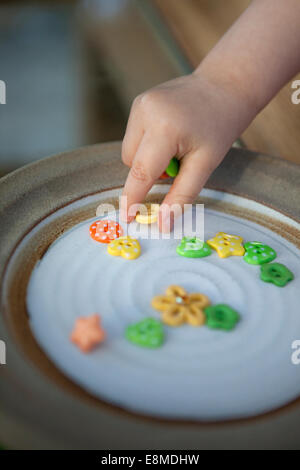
{"x": 125, "y": 217}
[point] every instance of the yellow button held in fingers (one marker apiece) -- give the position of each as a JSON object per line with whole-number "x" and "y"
{"x": 127, "y": 247}
{"x": 148, "y": 214}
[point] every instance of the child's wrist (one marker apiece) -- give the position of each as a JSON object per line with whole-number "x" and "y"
{"x": 234, "y": 86}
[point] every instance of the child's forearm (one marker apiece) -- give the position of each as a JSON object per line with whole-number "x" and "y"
{"x": 259, "y": 53}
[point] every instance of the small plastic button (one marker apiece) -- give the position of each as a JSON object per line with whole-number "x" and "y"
{"x": 276, "y": 273}
{"x": 148, "y": 214}
{"x": 147, "y": 333}
{"x": 193, "y": 247}
{"x": 105, "y": 231}
{"x": 178, "y": 307}
{"x": 221, "y": 317}
{"x": 87, "y": 333}
{"x": 173, "y": 167}
{"x": 227, "y": 245}
{"x": 257, "y": 253}
{"x": 127, "y": 247}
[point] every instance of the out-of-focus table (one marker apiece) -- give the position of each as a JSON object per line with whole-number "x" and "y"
{"x": 197, "y": 25}
{"x": 104, "y": 53}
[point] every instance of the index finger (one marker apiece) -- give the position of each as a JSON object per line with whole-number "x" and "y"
{"x": 150, "y": 161}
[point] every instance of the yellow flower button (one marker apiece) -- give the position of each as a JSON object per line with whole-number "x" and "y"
{"x": 178, "y": 307}
{"x": 227, "y": 245}
{"x": 127, "y": 247}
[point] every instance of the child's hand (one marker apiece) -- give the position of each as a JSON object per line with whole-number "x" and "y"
{"x": 198, "y": 117}
{"x": 192, "y": 118}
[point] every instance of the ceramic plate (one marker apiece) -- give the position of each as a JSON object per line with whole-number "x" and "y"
{"x": 202, "y": 383}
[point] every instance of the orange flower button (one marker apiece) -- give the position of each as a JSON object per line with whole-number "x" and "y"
{"x": 87, "y": 333}
{"x": 105, "y": 231}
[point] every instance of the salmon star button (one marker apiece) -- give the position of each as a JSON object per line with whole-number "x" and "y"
{"x": 87, "y": 333}
{"x": 227, "y": 245}
{"x": 126, "y": 247}
{"x": 105, "y": 231}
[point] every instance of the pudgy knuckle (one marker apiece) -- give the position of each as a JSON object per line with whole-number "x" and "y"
{"x": 150, "y": 99}
{"x": 136, "y": 102}
{"x": 139, "y": 172}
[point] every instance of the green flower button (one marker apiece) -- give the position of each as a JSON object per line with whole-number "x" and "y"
{"x": 193, "y": 247}
{"x": 173, "y": 167}
{"x": 221, "y": 317}
{"x": 147, "y": 333}
{"x": 276, "y": 273}
{"x": 257, "y": 253}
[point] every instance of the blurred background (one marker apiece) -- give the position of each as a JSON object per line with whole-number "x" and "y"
{"x": 73, "y": 67}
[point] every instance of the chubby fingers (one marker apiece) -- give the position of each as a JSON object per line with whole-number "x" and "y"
{"x": 151, "y": 158}
{"x": 195, "y": 170}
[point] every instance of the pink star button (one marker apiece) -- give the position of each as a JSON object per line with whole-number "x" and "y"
{"x": 88, "y": 333}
